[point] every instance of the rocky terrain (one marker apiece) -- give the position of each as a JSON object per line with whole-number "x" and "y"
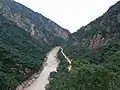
{"x": 36, "y": 24}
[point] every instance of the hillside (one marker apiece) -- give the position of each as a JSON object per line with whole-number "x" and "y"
{"x": 26, "y": 38}
{"x": 95, "y": 53}
{"x": 100, "y": 31}
{"x": 39, "y": 27}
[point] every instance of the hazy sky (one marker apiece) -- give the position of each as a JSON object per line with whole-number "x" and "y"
{"x": 70, "y": 14}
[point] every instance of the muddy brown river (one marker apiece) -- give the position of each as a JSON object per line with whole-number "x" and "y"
{"x": 51, "y": 65}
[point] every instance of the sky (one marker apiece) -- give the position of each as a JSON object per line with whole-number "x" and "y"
{"x": 70, "y": 14}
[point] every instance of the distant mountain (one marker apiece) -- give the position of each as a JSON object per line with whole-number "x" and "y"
{"x": 25, "y": 38}
{"x": 95, "y": 53}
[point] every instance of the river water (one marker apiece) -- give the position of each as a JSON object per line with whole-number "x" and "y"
{"x": 50, "y": 65}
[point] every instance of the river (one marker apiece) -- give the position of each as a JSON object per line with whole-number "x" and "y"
{"x": 50, "y": 65}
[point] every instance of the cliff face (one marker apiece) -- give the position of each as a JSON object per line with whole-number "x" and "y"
{"x": 100, "y": 31}
{"x": 34, "y": 23}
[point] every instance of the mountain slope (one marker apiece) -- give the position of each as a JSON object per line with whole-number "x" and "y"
{"x": 95, "y": 53}
{"x": 99, "y": 31}
{"x": 25, "y": 38}
{"x": 37, "y": 25}
{"x": 20, "y": 54}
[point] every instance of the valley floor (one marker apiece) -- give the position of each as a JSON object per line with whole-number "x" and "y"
{"x": 50, "y": 65}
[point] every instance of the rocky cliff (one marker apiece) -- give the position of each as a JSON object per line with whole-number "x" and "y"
{"x": 36, "y": 24}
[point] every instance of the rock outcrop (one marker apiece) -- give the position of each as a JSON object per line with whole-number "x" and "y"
{"x": 34, "y": 23}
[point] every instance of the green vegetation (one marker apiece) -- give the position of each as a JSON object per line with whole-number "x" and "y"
{"x": 20, "y": 55}
{"x": 58, "y": 41}
{"x": 93, "y": 69}
{"x": 95, "y": 53}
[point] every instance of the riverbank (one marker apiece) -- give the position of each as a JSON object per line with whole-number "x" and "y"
{"x": 50, "y": 66}
{"x": 40, "y": 80}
